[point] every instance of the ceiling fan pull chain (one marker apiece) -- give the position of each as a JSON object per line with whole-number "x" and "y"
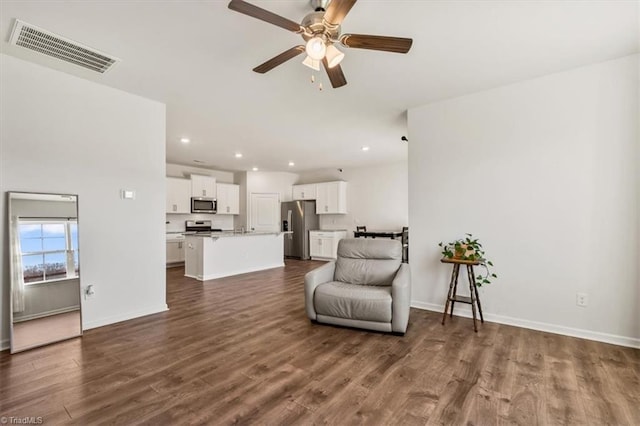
{"x": 313, "y": 78}
{"x": 320, "y": 86}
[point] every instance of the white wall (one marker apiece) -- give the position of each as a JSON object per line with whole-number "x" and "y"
{"x": 182, "y": 171}
{"x": 62, "y": 134}
{"x": 545, "y": 172}
{"x": 638, "y": 192}
{"x": 280, "y": 182}
{"x": 176, "y": 222}
{"x": 377, "y": 196}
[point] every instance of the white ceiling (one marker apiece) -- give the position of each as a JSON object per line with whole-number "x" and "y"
{"x": 197, "y": 56}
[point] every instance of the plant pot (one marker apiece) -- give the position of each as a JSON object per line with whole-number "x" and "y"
{"x": 463, "y": 252}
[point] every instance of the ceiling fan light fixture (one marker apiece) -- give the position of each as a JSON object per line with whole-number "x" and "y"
{"x": 320, "y": 30}
{"x": 311, "y": 63}
{"x": 334, "y": 56}
{"x": 316, "y": 48}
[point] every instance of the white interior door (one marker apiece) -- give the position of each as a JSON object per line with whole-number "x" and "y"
{"x": 265, "y": 212}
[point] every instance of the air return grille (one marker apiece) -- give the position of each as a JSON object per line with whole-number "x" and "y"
{"x": 48, "y": 43}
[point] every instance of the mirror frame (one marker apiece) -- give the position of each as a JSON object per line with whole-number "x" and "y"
{"x": 11, "y": 271}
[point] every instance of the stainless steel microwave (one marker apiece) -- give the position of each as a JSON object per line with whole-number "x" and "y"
{"x": 203, "y": 205}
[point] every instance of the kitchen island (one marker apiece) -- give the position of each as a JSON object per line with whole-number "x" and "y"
{"x": 222, "y": 254}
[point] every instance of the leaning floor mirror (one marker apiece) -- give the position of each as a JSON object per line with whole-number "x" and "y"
{"x": 45, "y": 277}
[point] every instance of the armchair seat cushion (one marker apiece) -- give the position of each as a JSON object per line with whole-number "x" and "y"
{"x": 353, "y": 301}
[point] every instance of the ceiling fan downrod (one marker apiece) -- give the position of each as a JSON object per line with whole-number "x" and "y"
{"x": 319, "y": 5}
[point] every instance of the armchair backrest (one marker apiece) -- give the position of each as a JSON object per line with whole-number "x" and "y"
{"x": 367, "y": 261}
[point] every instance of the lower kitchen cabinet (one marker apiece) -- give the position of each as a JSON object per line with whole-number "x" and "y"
{"x": 323, "y": 245}
{"x": 175, "y": 252}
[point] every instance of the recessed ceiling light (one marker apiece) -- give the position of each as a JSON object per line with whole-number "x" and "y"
{"x": 365, "y": 148}
{"x": 238, "y": 155}
{"x": 255, "y": 169}
{"x": 185, "y": 140}
{"x": 291, "y": 163}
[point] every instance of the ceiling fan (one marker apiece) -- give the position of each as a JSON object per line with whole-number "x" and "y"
{"x": 321, "y": 30}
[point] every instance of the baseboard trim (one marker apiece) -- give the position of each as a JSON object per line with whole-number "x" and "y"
{"x": 47, "y": 313}
{"x": 234, "y": 273}
{"x": 4, "y": 345}
{"x": 465, "y": 312}
{"x": 124, "y": 317}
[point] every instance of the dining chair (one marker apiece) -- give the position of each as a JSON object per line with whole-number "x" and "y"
{"x": 405, "y": 244}
{"x": 360, "y": 229}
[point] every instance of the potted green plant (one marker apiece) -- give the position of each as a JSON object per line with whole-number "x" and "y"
{"x": 471, "y": 249}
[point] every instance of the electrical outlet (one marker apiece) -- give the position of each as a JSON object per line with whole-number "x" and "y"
{"x": 582, "y": 299}
{"x": 89, "y": 292}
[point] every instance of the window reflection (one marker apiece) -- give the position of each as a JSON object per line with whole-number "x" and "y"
{"x": 49, "y": 250}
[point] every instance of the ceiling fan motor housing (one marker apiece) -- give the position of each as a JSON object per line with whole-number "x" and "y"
{"x": 315, "y": 26}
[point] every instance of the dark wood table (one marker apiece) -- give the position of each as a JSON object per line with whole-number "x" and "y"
{"x": 377, "y": 234}
{"x": 473, "y": 299}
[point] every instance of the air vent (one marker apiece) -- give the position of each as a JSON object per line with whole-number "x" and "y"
{"x": 48, "y": 43}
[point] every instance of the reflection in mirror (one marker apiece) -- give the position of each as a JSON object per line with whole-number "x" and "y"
{"x": 45, "y": 275}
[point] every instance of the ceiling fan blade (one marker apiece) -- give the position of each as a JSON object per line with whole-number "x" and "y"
{"x": 280, "y": 59}
{"x": 337, "y": 10}
{"x": 372, "y": 42}
{"x": 264, "y": 15}
{"x": 336, "y": 76}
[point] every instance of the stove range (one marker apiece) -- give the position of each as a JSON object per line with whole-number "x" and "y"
{"x": 199, "y": 227}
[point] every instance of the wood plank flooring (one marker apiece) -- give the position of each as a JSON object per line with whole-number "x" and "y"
{"x": 241, "y": 350}
{"x": 34, "y": 332}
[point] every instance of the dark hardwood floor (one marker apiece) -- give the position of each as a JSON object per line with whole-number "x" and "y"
{"x": 241, "y": 350}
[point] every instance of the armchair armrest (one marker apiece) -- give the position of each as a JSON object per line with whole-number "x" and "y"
{"x": 401, "y": 299}
{"x": 313, "y": 279}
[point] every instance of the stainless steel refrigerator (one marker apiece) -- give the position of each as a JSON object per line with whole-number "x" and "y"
{"x": 298, "y": 217}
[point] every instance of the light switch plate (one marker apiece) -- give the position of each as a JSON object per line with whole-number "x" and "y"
{"x": 128, "y": 194}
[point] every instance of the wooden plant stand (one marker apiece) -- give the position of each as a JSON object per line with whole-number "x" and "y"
{"x": 452, "y": 296}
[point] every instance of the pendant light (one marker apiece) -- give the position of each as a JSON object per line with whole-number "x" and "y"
{"x": 333, "y": 56}
{"x": 316, "y": 48}
{"x": 311, "y": 63}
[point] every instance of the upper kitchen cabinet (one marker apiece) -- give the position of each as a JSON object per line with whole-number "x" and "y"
{"x": 228, "y": 198}
{"x": 331, "y": 198}
{"x": 178, "y": 195}
{"x": 304, "y": 192}
{"x": 203, "y": 186}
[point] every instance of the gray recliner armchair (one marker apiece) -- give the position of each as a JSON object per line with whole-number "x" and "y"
{"x": 368, "y": 286}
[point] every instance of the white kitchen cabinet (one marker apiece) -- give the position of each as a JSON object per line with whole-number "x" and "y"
{"x": 203, "y": 186}
{"x": 323, "y": 245}
{"x": 331, "y": 198}
{"x": 175, "y": 251}
{"x": 304, "y": 192}
{"x": 228, "y": 198}
{"x": 178, "y": 195}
